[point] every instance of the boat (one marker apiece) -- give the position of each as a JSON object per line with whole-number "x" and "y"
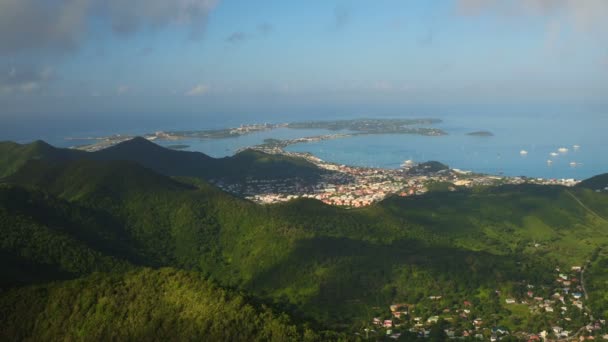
{"x": 576, "y": 147}
{"x": 573, "y": 164}
{"x": 408, "y": 163}
{"x": 549, "y": 161}
{"x": 562, "y": 150}
{"x": 554, "y": 154}
{"x": 523, "y": 152}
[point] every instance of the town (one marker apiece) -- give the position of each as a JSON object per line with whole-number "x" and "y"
{"x": 561, "y": 305}
{"x": 354, "y": 187}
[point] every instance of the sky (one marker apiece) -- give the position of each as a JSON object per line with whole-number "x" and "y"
{"x": 95, "y": 58}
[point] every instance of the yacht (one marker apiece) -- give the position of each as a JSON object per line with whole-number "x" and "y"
{"x": 408, "y": 163}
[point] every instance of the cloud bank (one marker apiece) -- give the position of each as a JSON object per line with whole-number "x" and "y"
{"x": 24, "y": 79}
{"x": 198, "y": 90}
{"x": 587, "y": 15}
{"x": 59, "y": 25}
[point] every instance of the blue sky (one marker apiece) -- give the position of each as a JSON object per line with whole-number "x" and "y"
{"x": 93, "y": 57}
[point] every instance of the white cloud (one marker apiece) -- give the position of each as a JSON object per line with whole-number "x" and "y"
{"x": 29, "y": 87}
{"x": 198, "y": 90}
{"x": 25, "y": 79}
{"x": 33, "y": 25}
{"x": 123, "y": 89}
{"x": 382, "y": 85}
{"x": 585, "y": 15}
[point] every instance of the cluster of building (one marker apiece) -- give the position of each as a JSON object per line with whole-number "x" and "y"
{"x": 245, "y": 129}
{"x": 353, "y": 187}
{"x": 569, "y": 296}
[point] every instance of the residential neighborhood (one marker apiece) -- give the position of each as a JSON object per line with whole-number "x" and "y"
{"x": 354, "y": 187}
{"x": 560, "y": 306}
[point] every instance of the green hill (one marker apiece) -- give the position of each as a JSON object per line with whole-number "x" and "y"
{"x": 327, "y": 265}
{"x": 142, "y": 305}
{"x": 599, "y": 182}
{"x": 13, "y": 156}
{"x": 43, "y": 238}
{"x": 244, "y": 165}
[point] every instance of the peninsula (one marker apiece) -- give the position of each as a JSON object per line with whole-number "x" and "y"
{"x": 481, "y": 134}
{"x": 347, "y": 128}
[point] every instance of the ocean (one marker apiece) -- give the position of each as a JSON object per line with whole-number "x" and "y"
{"x": 538, "y": 130}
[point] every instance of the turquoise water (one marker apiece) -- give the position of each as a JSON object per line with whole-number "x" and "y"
{"x": 539, "y": 130}
{"x": 228, "y": 146}
{"x": 500, "y": 154}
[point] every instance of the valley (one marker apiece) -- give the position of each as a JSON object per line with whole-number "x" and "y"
{"x": 459, "y": 261}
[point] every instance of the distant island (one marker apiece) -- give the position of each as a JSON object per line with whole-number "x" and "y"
{"x": 481, "y": 134}
{"x": 350, "y": 127}
{"x": 373, "y": 126}
{"x": 178, "y": 147}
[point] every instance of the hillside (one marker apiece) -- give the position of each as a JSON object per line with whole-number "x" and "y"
{"x": 324, "y": 263}
{"x": 336, "y": 268}
{"x": 244, "y": 165}
{"x": 599, "y": 182}
{"x": 142, "y": 305}
{"x": 13, "y": 156}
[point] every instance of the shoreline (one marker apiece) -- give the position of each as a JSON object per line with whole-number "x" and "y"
{"x": 351, "y": 186}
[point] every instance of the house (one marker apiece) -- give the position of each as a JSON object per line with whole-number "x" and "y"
{"x": 399, "y": 314}
{"x": 577, "y": 295}
{"x": 557, "y": 329}
{"x": 549, "y": 309}
{"x": 500, "y": 330}
{"x": 433, "y": 319}
{"x": 387, "y": 323}
{"x": 576, "y": 268}
{"x": 398, "y": 307}
{"x": 376, "y": 321}
{"x": 510, "y": 301}
{"x": 467, "y": 303}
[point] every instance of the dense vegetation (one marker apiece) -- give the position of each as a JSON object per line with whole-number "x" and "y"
{"x": 142, "y": 305}
{"x": 168, "y": 161}
{"x": 333, "y": 268}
